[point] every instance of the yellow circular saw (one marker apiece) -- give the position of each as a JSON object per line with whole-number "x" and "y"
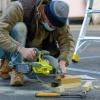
{"x": 44, "y": 68}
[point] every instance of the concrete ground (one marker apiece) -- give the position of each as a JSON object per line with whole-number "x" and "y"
{"x": 88, "y": 67}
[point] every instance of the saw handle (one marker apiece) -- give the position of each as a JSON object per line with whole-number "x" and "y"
{"x": 47, "y": 94}
{"x": 36, "y": 51}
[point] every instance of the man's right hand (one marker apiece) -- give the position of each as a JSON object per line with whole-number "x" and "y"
{"x": 27, "y": 53}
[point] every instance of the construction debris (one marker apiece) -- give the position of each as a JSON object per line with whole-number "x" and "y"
{"x": 87, "y": 86}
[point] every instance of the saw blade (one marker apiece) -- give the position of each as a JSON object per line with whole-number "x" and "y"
{"x": 46, "y": 78}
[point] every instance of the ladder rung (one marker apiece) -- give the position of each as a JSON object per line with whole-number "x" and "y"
{"x": 90, "y": 38}
{"x": 93, "y": 11}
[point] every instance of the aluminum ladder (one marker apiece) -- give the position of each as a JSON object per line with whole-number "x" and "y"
{"x": 83, "y": 38}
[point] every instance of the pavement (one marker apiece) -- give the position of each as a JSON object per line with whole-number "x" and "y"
{"x": 88, "y": 68}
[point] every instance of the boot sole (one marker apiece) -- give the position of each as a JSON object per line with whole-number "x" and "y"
{"x": 5, "y": 76}
{"x": 17, "y": 83}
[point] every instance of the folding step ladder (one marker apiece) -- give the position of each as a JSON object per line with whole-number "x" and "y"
{"x": 82, "y": 38}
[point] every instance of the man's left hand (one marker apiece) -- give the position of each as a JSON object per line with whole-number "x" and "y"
{"x": 62, "y": 65}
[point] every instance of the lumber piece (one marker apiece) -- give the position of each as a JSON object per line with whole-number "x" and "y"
{"x": 71, "y": 80}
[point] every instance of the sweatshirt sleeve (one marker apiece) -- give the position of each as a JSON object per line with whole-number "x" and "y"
{"x": 66, "y": 44}
{"x": 13, "y": 14}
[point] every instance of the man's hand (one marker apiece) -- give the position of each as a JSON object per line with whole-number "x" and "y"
{"x": 62, "y": 65}
{"x": 27, "y": 53}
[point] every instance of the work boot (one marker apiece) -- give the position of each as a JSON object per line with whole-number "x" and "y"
{"x": 17, "y": 78}
{"x": 5, "y": 69}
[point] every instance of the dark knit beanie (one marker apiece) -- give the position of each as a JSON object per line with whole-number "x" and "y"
{"x": 57, "y": 12}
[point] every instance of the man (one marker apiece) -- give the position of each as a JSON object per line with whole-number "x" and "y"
{"x": 24, "y": 26}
